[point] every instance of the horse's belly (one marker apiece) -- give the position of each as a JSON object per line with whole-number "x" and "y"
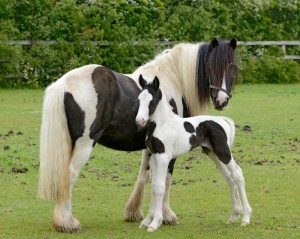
{"x": 125, "y": 142}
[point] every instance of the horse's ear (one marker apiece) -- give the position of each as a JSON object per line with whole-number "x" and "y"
{"x": 156, "y": 83}
{"x": 233, "y": 43}
{"x": 142, "y": 81}
{"x": 214, "y": 42}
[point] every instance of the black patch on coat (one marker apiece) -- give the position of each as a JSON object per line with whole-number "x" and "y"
{"x": 215, "y": 134}
{"x": 171, "y": 166}
{"x": 103, "y": 81}
{"x": 189, "y": 127}
{"x": 117, "y": 106}
{"x": 186, "y": 112}
{"x": 174, "y": 106}
{"x": 157, "y": 95}
{"x": 75, "y": 117}
{"x": 194, "y": 141}
{"x": 154, "y": 144}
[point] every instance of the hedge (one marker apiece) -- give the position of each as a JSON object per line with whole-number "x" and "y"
{"x": 123, "y": 22}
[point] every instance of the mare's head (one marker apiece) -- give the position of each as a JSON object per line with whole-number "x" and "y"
{"x": 148, "y": 99}
{"x": 221, "y": 70}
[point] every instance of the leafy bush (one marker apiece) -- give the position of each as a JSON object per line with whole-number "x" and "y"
{"x": 270, "y": 70}
{"x": 121, "y": 23}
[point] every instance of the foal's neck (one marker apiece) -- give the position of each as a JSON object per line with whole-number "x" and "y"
{"x": 163, "y": 111}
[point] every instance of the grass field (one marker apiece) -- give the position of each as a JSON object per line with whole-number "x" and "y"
{"x": 269, "y": 155}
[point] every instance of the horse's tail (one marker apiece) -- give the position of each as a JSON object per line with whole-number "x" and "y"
{"x": 232, "y": 130}
{"x": 55, "y": 145}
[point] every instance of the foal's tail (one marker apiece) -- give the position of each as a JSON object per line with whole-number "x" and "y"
{"x": 232, "y": 130}
{"x": 55, "y": 145}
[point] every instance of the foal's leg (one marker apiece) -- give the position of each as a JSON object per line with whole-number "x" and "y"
{"x": 236, "y": 204}
{"x": 63, "y": 218}
{"x": 170, "y": 218}
{"x": 237, "y": 175}
{"x": 134, "y": 207}
{"x": 159, "y": 166}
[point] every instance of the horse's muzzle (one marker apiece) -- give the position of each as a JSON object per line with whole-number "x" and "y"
{"x": 220, "y": 106}
{"x": 140, "y": 122}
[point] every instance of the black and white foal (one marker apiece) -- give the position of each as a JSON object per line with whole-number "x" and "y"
{"x": 169, "y": 136}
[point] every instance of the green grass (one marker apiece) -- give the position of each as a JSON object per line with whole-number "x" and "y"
{"x": 269, "y": 156}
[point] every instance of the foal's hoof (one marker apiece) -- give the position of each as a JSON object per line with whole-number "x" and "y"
{"x": 151, "y": 229}
{"x": 142, "y": 226}
{"x": 244, "y": 223}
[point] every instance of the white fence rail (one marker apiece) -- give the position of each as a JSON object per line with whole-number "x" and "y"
{"x": 283, "y": 44}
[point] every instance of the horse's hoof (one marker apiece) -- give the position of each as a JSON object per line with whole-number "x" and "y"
{"x": 131, "y": 216}
{"x": 170, "y": 219}
{"x": 151, "y": 229}
{"x": 71, "y": 228}
{"x": 244, "y": 223}
{"x": 231, "y": 221}
{"x": 142, "y": 226}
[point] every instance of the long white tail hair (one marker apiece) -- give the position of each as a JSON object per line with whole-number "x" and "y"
{"x": 55, "y": 145}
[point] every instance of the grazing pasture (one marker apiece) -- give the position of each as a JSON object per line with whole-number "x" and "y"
{"x": 267, "y": 147}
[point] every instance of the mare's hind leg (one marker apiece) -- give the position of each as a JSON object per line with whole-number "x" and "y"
{"x": 236, "y": 204}
{"x": 63, "y": 218}
{"x": 134, "y": 207}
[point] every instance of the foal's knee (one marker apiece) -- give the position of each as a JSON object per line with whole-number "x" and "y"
{"x": 237, "y": 175}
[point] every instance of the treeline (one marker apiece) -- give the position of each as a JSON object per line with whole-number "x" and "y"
{"x": 122, "y": 22}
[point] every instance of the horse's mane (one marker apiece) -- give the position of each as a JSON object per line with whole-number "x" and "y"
{"x": 202, "y": 77}
{"x": 178, "y": 66}
{"x": 184, "y": 69}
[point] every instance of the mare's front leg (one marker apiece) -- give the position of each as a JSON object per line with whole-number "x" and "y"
{"x": 159, "y": 165}
{"x": 63, "y": 218}
{"x": 134, "y": 207}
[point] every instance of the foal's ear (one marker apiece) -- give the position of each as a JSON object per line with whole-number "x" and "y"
{"x": 233, "y": 43}
{"x": 214, "y": 42}
{"x": 156, "y": 83}
{"x": 142, "y": 81}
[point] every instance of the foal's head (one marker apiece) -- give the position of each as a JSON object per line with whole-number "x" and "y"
{"x": 149, "y": 99}
{"x": 221, "y": 69}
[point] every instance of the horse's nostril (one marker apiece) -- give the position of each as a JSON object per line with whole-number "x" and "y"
{"x": 225, "y": 103}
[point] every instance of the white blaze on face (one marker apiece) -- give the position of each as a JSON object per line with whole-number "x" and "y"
{"x": 143, "y": 113}
{"x": 222, "y": 96}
